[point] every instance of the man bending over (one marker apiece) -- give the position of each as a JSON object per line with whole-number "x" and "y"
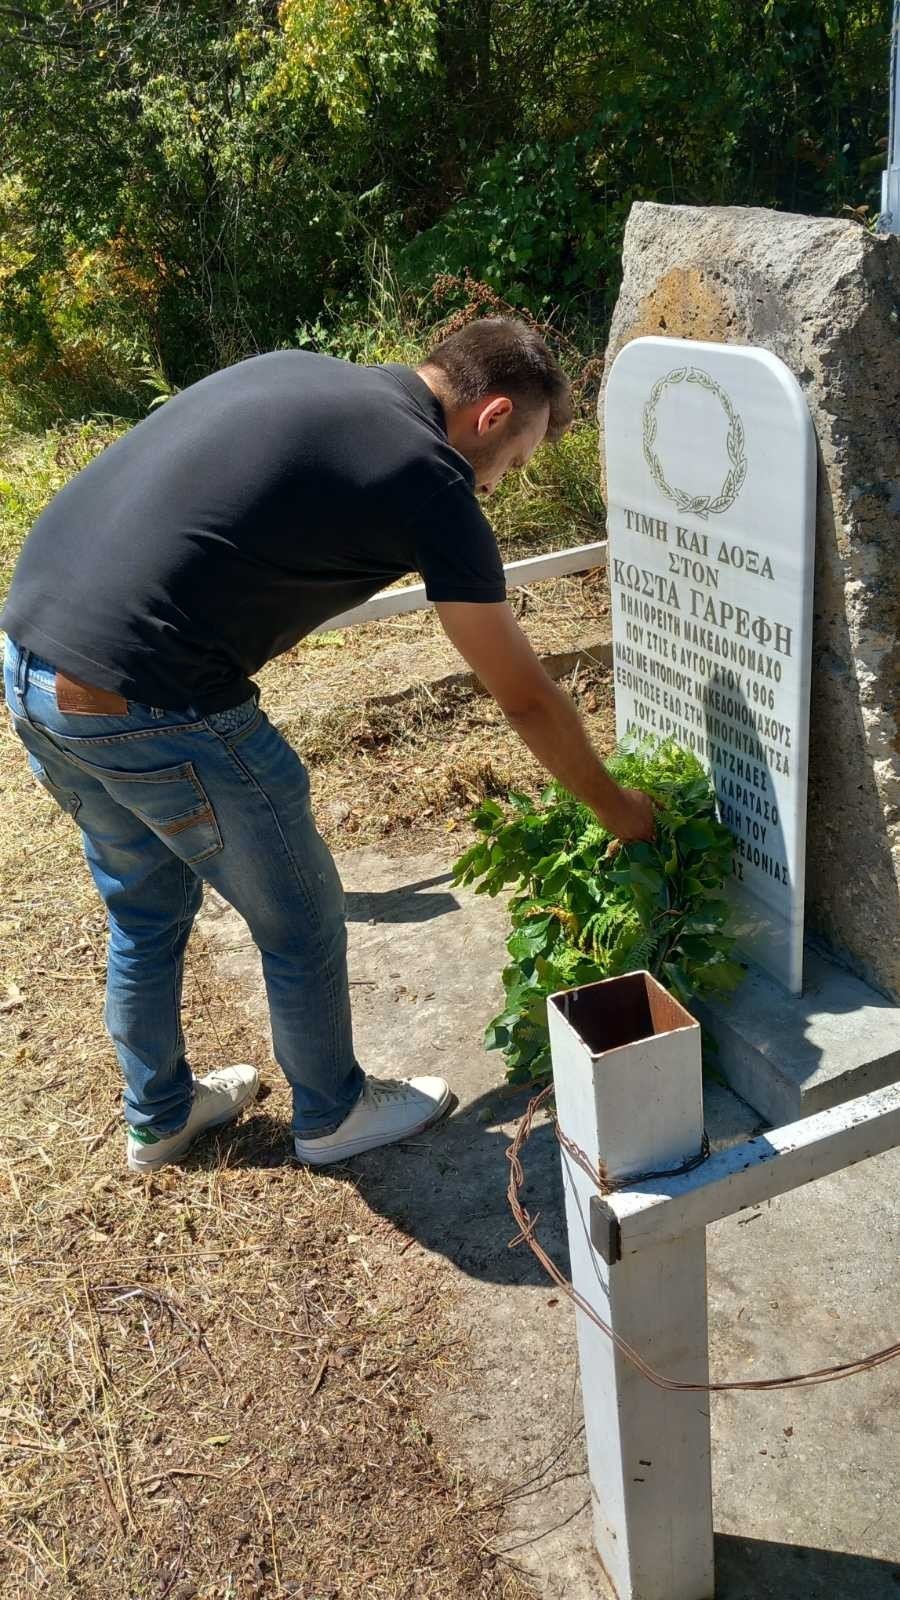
{"x": 231, "y": 522}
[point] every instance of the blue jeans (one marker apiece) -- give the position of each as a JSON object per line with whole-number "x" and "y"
{"x": 166, "y": 802}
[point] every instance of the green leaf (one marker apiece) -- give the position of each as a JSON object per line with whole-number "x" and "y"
{"x": 723, "y": 975}
{"x": 647, "y": 879}
{"x": 642, "y": 854}
{"x": 692, "y": 887}
{"x": 670, "y": 865}
{"x": 471, "y": 863}
{"x": 712, "y": 914}
{"x": 696, "y": 947}
{"x": 695, "y": 836}
{"x": 677, "y": 980}
{"x": 487, "y": 815}
{"x": 531, "y": 937}
{"x": 496, "y": 1036}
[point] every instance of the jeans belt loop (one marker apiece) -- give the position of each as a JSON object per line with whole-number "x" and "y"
{"x": 22, "y": 666}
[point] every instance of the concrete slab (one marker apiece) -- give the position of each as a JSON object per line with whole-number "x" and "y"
{"x": 790, "y": 1056}
{"x": 807, "y": 1502}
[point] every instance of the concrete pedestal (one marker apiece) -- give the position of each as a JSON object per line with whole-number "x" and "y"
{"x": 790, "y": 1056}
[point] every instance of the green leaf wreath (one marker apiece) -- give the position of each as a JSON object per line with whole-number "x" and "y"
{"x": 585, "y": 908}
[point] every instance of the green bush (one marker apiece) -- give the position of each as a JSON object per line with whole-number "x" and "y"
{"x": 533, "y": 225}
{"x": 585, "y": 909}
{"x": 183, "y": 184}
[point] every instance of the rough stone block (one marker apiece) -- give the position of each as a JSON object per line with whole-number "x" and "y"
{"x": 823, "y": 295}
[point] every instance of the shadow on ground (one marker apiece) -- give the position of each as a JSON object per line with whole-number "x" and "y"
{"x": 446, "y": 1189}
{"x": 766, "y": 1571}
{"x": 405, "y": 903}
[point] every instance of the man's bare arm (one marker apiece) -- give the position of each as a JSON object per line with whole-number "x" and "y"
{"x": 491, "y": 641}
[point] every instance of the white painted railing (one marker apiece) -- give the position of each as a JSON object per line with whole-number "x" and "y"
{"x": 628, "y": 1084}
{"x": 889, "y": 221}
{"x": 397, "y": 602}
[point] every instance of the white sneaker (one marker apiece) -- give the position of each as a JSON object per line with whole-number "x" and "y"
{"x": 387, "y": 1110}
{"x": 218, "y": 1098}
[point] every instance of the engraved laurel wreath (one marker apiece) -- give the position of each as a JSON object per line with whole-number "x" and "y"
{"x": 702, "y": 505}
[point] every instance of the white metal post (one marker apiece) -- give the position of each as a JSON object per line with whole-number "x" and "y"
{"x": 889, "y": 221}
{"x": 628, "y": 1084}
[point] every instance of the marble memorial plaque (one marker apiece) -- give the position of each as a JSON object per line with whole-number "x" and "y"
{"x": 711, "y": 477}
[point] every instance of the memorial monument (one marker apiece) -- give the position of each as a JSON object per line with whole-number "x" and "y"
{"x": 814, "y": 303}
{"x": 711, "y": 521}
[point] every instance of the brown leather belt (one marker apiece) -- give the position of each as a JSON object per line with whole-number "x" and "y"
{"x": 86, "y": 700}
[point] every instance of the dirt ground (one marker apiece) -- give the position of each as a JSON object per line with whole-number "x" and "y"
{"x": 212, "y": 1381}
{"x": 399, "y": 741}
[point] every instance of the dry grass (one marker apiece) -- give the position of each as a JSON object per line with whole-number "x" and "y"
{"x": 398, "y": 751}
{"x": 417, "y": 769}
{"x": 211, "y": 1380}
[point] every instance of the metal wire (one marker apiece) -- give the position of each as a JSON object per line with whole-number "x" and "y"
{"x": 608, "y": 1185}
{"x": 526, "y": 1235}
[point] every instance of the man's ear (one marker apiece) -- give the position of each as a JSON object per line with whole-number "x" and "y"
{"x": 492, "y": 413}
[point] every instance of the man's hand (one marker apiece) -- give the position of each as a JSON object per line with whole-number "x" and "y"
{"x": 629, "y": 815}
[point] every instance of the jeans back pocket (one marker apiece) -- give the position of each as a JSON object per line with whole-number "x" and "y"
{"x": 174, "y": 804}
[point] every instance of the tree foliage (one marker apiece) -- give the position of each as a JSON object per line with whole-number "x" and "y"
{"x": 352, "y": 55}
{"x": 184, "y": 183}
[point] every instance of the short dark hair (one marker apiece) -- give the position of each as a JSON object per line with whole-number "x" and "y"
{"x": 500, "y": 353}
